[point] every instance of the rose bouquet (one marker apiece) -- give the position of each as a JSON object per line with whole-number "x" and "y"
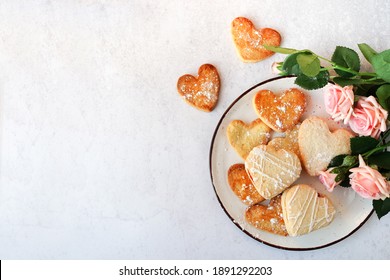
{"x": 360, "y": 100}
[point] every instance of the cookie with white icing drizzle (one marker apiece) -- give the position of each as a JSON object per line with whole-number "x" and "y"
{"x": 272, "y": 171}
{"x": 305, "y": 210}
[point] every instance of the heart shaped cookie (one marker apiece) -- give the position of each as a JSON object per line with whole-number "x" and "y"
{"x": 249, "y": 41}
{"x": 282, "y": 112}
{"x": 304, "y": 210}
{"x": 318, "y": 145}
{"x": 267, "y": 217}
{"x": 242, "y": 186}
{"x": 289, "y": 142}
{"x": 271, "y": 170}
{"x": 244, "y": 137}
{"x": 201, "y": 92}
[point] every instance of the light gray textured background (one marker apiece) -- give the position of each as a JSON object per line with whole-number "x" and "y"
{"x": 99, "y": 156}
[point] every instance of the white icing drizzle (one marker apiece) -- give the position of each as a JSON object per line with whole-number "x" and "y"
{"x": 299, "y": 209}
{"x": 255, "y": 164}
{"x": 298, "y": 218}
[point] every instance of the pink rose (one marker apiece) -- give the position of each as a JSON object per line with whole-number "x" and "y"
{"x": 339, "y": 102}
{"x": 328, "y": 179}
{"x": 368, "y": 182}
{"x": 368, "y": 117}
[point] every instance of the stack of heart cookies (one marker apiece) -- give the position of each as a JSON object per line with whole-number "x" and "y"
{"x": 266, "y": 180}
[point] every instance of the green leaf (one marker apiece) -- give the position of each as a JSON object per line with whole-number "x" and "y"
{"x": 382, "y": 207}
{"x": 350, "y": 160}
{"x": 365, "y": 89}
{"x": 342, "y": 175}
{"x": 382, "y": 160}
{"x": 337, "y": 170}
{"x": 280, "y": 49}
{"x": 384, "y": 136}
{"x": 386, "y": 175}
{"x": 367, "y": 51}
{"x": 336, "y": 161}
{"x": 350, "y": 81}
{"x": 362, "y": 144}
{"x": 311, "y": 83}
{"x": 290, "y": 65}
{"x": 309, "y": 64}
{"x": 346, "y": 58}
{"x": 347, "y": 81}
{"x": 383, "y": 94}
{"x": 345, "y": 183}
{"x": 381, "y": 65}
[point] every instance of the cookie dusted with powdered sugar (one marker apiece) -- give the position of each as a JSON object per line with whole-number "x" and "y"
{"x": 267, "y": 217}
{"x": 201, "y": 92}
{"x": 289, "y": 142}
{"x": 244, "y": 137}
{"x": 242, "y": 186}
{"x": 318, "y": 145}
{"x": 280, "y": 112}
{"x": 249, "y": 41}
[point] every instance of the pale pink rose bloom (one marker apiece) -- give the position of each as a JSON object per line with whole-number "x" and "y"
{"x": 368, "y": 117}
{"x": 339, "y": 102}
{"x": 368, "y": 182}
{"x": 275, "y": 66}
{"x": 328, "y": 179}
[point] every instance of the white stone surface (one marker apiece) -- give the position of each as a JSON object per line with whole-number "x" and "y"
{"x": 99, "y": 156}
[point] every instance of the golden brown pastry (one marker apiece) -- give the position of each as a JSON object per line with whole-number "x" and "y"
{"x": 242, "y": 186}
{"x": 201, "y": 92}
{"x": 244, "y": 137}
{"x": 289, "y": 142}
{"x": 267, "y": 217}
{"x": 282, "y": 112}
{"x": 249, "y": 41}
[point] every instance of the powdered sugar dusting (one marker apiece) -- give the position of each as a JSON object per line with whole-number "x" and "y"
{"x": 202, "y": 91}
{"x": 280, "y": 112}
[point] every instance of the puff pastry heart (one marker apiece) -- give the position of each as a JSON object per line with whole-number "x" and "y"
{"x": 202, "y": 91}
{"x": 282, "y": 112}
{"x": 244, "y": 137}
{"x": 242, "y": 186}
{"x": 289, "y": 142}
{"x": 249, "y": 41}
{"x": 267, "y": 217}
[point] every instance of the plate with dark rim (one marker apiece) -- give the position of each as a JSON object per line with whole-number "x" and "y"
{"x": 352, "y": 211}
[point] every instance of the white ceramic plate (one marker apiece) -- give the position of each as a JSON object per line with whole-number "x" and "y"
{"x": 352, "y": 210}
